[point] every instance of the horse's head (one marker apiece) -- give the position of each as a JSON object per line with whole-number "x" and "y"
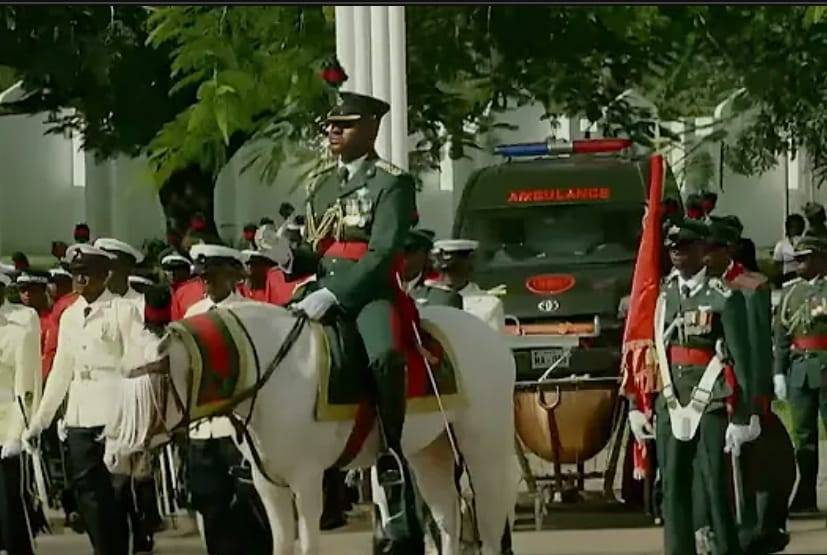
{"x": 153, "y": 404}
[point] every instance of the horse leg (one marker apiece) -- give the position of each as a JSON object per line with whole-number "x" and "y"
{"x": 308, "y": 488}
{"x": 278, "y": 503}
{"x": 489, "y": 466}
{"x": 433, "y": 468}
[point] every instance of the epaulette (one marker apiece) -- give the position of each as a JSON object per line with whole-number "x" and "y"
{"x": 388, "y": 167}
{"x": 719, "y": 286}
{"x": 750, "y": 280}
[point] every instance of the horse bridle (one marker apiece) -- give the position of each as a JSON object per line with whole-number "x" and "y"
{"x": 162, "y": 368}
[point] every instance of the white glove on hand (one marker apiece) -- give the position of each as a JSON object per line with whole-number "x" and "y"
{"x": 11, "y": 448}
{"x": 29, "y": 437}
{"x": 270, "y": 242}
{"x": 62, "y": 434}
{"x": 641, "y": 427}
{"x": 736, "y": 436}
{"x": 317, "y": 303}
{"x": 779, "y": 382}
{"x": 754, "y": 427}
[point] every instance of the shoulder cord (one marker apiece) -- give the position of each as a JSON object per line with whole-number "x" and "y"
{"x": 330, "y": 224}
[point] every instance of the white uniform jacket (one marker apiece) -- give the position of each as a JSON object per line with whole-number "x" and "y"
{"x": 94, "y": 342}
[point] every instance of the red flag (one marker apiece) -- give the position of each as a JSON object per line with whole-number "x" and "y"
{"x": 639, "y": 362}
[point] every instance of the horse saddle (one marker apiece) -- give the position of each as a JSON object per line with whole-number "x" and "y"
{"x": 346, "y": 383}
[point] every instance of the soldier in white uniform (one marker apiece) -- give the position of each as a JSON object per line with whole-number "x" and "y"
{"x": 454, "y": 259}
{"x": 142, "y": 507}
{"x": 126, "y": 257}
{"x": 227, "y": 509}
{"x": 19, "y": 391}
{"x": 97, "y": 334}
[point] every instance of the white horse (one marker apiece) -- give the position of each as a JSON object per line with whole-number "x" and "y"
{"x": 295, "y": 448}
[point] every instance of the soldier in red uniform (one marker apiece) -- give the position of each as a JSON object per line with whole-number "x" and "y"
{"x": 258, "y": 266}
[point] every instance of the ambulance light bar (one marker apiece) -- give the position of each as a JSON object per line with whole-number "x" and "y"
{"x": 552, "y": 147}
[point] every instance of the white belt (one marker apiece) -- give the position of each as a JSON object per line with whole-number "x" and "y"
{"x": 684, "y": 419}
{"x": 95, "y": 373}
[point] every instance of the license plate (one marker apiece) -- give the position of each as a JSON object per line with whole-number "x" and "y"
{"x": 546, "y": 358}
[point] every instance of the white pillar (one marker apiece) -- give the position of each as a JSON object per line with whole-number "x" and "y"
{"x": 362, "y": 51}
{"x": 381, "y": 73}
{"x": 344, "y": 41}
{"x": 398, "y": 86}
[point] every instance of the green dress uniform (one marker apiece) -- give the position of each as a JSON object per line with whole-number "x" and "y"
{"x": 764, "y": 497}
{"x": 359, "y": 215}
{"x": 705, "y": 323}
{"x": 435, "y": 292}
{"x": 801, "y": 355}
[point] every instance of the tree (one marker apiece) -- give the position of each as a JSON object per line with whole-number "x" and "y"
{"x": 188, "y": 87}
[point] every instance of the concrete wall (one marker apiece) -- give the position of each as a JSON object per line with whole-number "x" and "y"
{"x": 38, "y": 203}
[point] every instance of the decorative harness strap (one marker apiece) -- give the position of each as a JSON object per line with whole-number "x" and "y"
{"x": 684, "y": 419}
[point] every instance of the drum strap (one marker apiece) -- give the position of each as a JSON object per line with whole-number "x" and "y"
{"x": 684, "y": 419}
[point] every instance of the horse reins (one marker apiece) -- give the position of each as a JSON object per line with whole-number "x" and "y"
{"x": 242, "y": 428}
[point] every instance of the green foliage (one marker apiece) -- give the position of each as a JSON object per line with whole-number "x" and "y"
{"x": 257, "y": 76}
{"x": 190, "y": 86}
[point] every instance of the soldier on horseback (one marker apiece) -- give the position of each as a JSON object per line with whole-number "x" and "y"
{"x": 359, "y": 213}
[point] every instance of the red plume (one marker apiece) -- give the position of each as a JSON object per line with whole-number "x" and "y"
{"x": 639, "y": 362}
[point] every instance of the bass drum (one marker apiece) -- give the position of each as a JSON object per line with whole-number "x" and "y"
{"x": 565, "y": 423}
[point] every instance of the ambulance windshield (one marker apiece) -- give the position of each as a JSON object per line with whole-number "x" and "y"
{"x": 587, "y": 233}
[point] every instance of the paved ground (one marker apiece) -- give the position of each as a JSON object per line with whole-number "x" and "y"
{"x": 809, "y": 536}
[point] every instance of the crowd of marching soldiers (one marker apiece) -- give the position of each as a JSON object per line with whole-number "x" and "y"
{"x": 58, "y": 380}
{"x": 725, "y": 351}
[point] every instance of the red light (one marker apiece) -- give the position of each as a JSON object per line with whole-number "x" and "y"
{"x": 550, "y": 284}
{"x": 593, "y": 146}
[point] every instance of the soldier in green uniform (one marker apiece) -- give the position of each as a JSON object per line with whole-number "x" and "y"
{"x": 359, "y": 213}
{"x": 816, "y": 218}
{"x": 453, "y": 262}
{"x": 764, "y": 497}
{"x": 698, "y": 331}
{"x": 417, "y": 262}
{"x": 801, "y": 358}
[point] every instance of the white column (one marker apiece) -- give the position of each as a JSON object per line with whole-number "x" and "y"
{"x": 362, "y": 82}
{"x": 398, "y": 86}
{"x": 381, "y": 73}
{"x": 344, "y": 41}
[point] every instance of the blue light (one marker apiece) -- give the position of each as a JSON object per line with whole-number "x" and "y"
{"x": 522, "y": 149}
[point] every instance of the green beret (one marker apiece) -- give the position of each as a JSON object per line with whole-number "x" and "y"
{"x": 723, "y": 231}
{"x": 420, "y": 239}
{"x": 685, "y": 230}
{"x": 813, "y": 209}
{"x": 810, "y": 245}
{"x": 353, "y": 107}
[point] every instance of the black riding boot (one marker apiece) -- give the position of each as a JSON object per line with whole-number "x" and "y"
{"x": 399, "y": 531}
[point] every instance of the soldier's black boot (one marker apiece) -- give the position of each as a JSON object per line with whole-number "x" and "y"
{"x": 399, "y": 531}
{"x": 805, "y": 496}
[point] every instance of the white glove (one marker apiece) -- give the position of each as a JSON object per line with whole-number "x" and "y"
{"x": 779, "y": 381}
{"x": 11, "y": 448}
{"x": 317, "y": 303}
{"x": 736, "y": 436}
{"x": 30, "y": 436}
{"x": 641, "y": 427}
{"x": 270, "y": 242}
{"x": 62, "y": 434}
{"x": 754, "y": 427}
{"x": 623, "y": 307}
